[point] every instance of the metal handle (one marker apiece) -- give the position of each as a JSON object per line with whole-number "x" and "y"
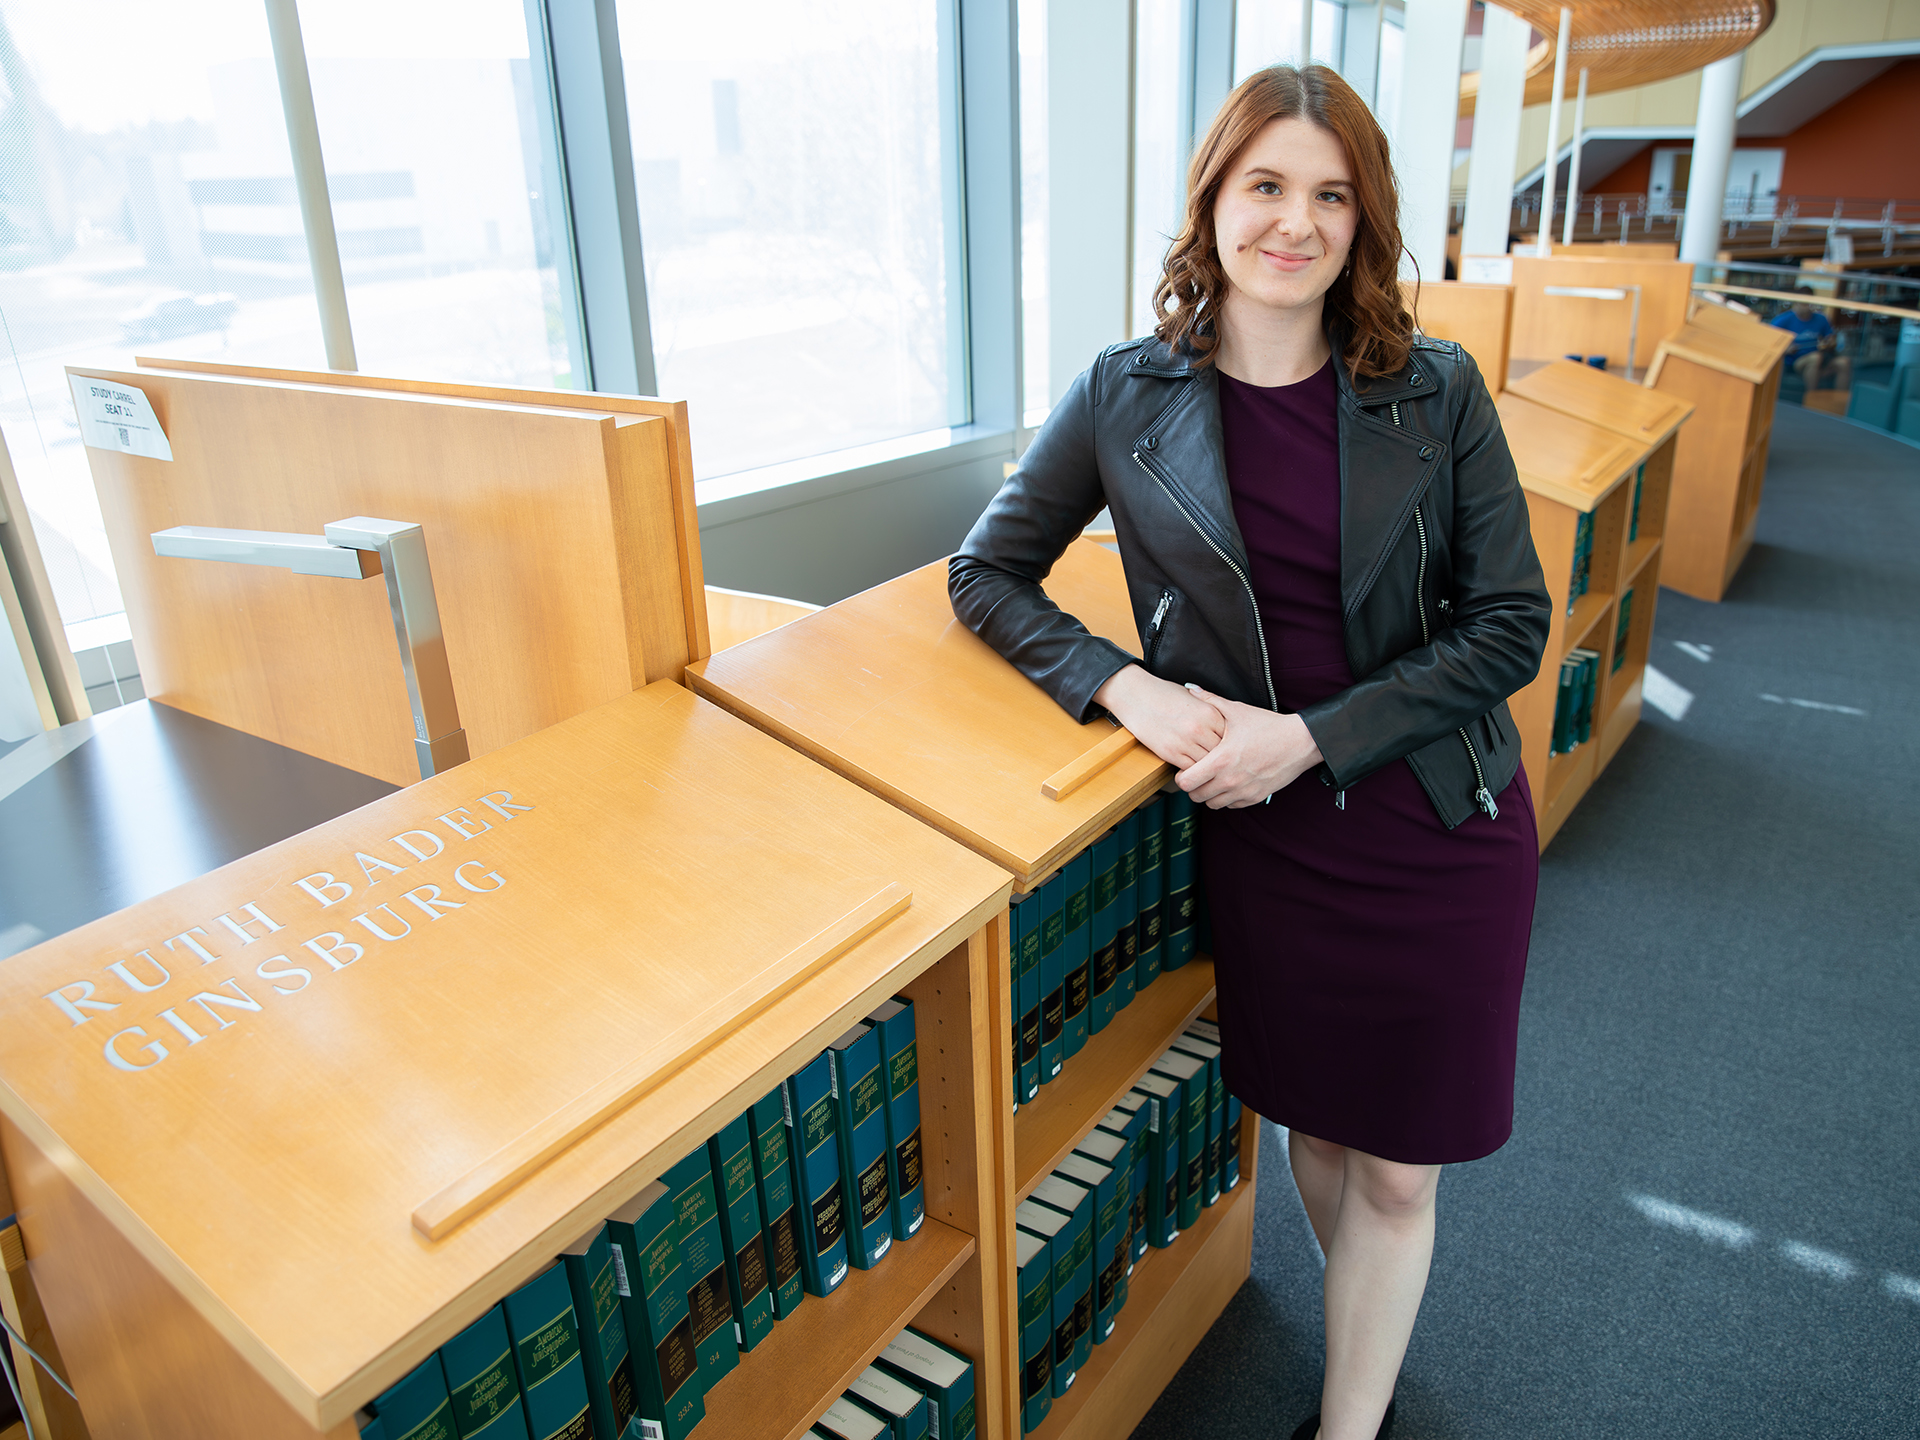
{"x": 357, "y": 549}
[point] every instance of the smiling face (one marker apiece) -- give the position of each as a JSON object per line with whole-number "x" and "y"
{"x": 1286, "y": 216}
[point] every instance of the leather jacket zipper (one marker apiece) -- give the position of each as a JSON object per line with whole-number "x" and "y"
{"x": 1258, "y": 629}
{"x": 1154, "y": 631}
{"x": 1482, "y": 797}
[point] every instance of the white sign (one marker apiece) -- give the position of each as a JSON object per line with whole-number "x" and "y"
{"x": 1486, "y": 269}
{"x": 118, "y": 417}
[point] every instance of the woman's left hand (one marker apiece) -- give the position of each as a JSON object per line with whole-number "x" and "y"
{"x": 1261, "y": 752}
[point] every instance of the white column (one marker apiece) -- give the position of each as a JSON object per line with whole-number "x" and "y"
{"x": 1306, "y": 33}
{"x": 1088, "y": 87}
{"x": 1496, "y": 134}
{"x": 310, "y": 181}
{"x": 1423, "y": 134}
{"x": 1551, "y": 173}
{"x": 1573, "y": 165}
{"x": 1712, "y": 154}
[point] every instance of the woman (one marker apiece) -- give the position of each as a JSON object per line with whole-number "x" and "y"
{"x": 1329, "y": 560}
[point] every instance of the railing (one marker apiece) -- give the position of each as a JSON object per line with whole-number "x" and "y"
{"x": 1786, "y": 220}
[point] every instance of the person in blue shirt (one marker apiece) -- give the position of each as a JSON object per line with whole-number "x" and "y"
{"x": 1814, "y": 352}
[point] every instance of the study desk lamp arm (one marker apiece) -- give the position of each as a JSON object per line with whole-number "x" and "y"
{"x": 358, "y": 549}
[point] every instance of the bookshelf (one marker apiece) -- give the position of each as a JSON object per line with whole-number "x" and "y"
{"x": 240, "y": 1239}
{"x": 888, "y": 689}
{"x": 1728, "y": 367}
{"x": 1641, "y": 417}
{"x": 1572, "y": 468}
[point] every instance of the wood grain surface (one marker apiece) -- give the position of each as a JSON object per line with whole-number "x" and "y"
{"x": 1565, "y": 459}
{"x": 1479, "y": 318}
{"x": 1549, "y": 327}
{"x": 1609, "y": 401}
{"x": 551, "y": 533}
{"x": 889, "y": 689}
{"x": 266, "y": 1168}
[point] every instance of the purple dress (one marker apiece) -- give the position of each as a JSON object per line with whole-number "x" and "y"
{"x": 1369, "y": 960}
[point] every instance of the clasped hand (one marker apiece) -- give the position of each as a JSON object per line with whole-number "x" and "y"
{"x": 1229, "y": 755}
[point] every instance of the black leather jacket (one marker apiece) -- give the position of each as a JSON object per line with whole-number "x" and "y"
{"x": 1446, "y": 610}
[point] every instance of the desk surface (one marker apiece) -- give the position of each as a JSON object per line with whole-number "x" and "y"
{"x": 107, "y": 812}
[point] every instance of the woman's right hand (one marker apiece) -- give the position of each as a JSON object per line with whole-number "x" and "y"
{"x": 1168, "y": 719}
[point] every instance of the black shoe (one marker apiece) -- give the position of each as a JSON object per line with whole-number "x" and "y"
{"x": 1311, "y": 1426}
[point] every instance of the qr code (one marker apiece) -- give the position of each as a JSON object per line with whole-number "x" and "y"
{"x": 123, "y": 436}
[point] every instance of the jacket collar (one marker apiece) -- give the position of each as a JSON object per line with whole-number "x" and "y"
{"x": 1412, "y": 381}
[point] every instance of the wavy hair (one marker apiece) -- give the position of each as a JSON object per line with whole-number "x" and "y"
{"x": 1365, "y": 299}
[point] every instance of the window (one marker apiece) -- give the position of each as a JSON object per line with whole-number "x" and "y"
{"x": 138, "y": 214}
{"x": 797, "y": 167}
{"x": 432, "y": 144}
{"x": 1269, "y": 34}
{"x": 1159, "y": 164}
{"x": 1035, "y": 177}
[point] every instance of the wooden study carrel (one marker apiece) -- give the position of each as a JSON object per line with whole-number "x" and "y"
{"x": 277, "y": 1134}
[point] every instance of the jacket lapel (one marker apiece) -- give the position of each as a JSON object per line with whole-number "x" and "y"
{"x": 1382, "y": 472}
{"x": 1183, "y": 445}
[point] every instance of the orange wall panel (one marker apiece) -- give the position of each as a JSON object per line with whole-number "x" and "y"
{"x": 1862, "y": 146}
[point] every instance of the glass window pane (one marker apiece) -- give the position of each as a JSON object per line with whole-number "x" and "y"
{"x": 1034, "y": 173}
{"x": 1159, "y": 169}
{"x": 796, "y": 164}
{"x": 428, "y": 125}
{"x": 138, "y": 214}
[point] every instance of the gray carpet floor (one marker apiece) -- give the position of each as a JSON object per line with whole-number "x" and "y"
{"x": 1708, "y": 1220}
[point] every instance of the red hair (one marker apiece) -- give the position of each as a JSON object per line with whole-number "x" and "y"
{"x": 1365, "y": 299}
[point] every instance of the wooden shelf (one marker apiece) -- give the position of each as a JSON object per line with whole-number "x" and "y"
{"x": 1046, "y": 1130}
{"x": 1173, "y": 1297}
{"x": 1588, "y": 611}
{"x": 808, "y": 1360}
{"x": 1638, "y": 554}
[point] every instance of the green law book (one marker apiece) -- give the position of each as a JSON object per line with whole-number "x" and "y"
{"x": 1078, "y": 948}
{"x": 742, "y": 1232}
{"x": 1216, "y": 1111}
{"x": 645, "y": 1243}
{"x": 481, "y": 1383}
{"x": 1027, "y": 996}
{"x": 418, "y": 1408}
{"x": 1150, "y": 928}
{"x": 860, "y": 1120}
{"x": 1563, "y": 710}
{"x": 1230, "y": 1118}
{"x": 1127, "y": 1122}
{"x": 603, "y": 1333}
{"x": 1053, "y": 975}
{"x": 1620, "y": 629}
{"x": 900, "y": 1068}
{"x": 1115, "y": 1152}
{"x": 944, "y": 1376}
{"x": 904, "y": 1408}
{"x": 1129, "y": 831}
{"x": 1035, "y": 1263}
{"x": 703, "y": 1254}
{"x": 1589, "y": 674}
{"x": 1183, "y": 890}
{"x": 1013, "y": 998}
{"x": 369, "y": 1425}
{"x": 849, "y": 1420}
{"x": 1055, "y": 1228}
{"x": 773, "y": 1178}
{"x": 1166, "y": 1138}
{"x": 1104, "y": 935}
{"x": 813, "y": 1154}
{"x": 1633, "y": 521}
{"x": 1195, "y": 1095}
{"x": 546, "y": 1358}
{"x": 1075, "y": 1201}
{"x": 1109, "y": 1237}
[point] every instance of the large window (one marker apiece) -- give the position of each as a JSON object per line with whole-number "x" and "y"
{"x": 797, "y": 169}
{"x": 429, "y": 127}
{"x": 128, "y": 224}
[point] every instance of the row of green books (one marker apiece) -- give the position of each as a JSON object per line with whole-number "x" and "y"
{"x": 1633, "y": 518}
{"x": 1101, "y": 930}
{"x": 624, "y": 1334}
{"x": 1582, "y": 580}
{"x": 1573, "y": 709}
{"x": 1168, "y": 1150}
{"x": 1621, "y": 627}
{"x": 917, "y": 1389}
